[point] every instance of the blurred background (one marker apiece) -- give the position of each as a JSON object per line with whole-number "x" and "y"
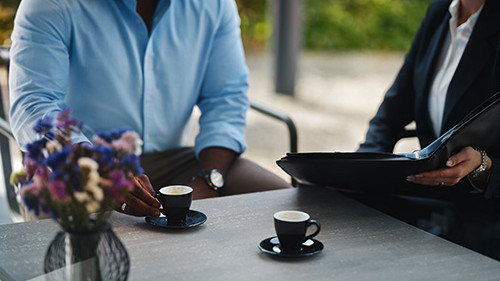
{"x": 325, "y": 63}
{"x": 329, "y": 25}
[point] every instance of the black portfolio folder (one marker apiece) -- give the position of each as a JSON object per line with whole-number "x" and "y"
{"x": 386, "y": 172}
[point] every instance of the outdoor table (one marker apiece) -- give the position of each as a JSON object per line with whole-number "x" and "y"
{"x": 360, "y": 243}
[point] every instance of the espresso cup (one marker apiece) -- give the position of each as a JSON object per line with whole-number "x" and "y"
{"x": 175, "y": 200}
{"x": 291, "y": 228}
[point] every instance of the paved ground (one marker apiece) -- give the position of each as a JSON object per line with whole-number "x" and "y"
{"x": 336, "y": 95}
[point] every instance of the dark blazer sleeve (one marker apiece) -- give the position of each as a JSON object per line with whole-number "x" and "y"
{"x": 396, "y": 110}
{"x": 398, "y": 107}
{"x": 492, "y": 190}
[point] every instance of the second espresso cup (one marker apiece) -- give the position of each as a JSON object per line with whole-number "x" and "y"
{"x": 291, "y": 228}
{"x": 176, "y": 200}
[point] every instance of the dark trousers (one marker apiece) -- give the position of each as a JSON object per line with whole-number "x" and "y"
{"x": 470, "y": 221}
{"x": 178, "y": 166}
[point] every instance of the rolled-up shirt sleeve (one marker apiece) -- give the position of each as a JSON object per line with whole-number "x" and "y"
{"x": 38, "y": 76}
{"x": 223, "y": 100}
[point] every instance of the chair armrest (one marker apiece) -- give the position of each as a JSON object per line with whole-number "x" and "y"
{"x": 4, "y": 55}
{"x": 5, "y": 137}
{"x": 5, "y": 128}
{"x": 6, "y": 154}
{"x": 278, "y": 115}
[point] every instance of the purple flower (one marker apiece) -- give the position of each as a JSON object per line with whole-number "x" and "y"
{"x": 66, "y": 123}
{"x": 30, "y": 166}
{"x": 132, "y": 163}
{"x": 42, "y": 173}
{"x": 112, "y": 135}
{"x": 31, "y": 194}
{"x": 52, "y": 174}
{"x": 104, "y": 156}
{"x": 43, "y": 125}
{"x": 116, "y": 134}
{"x": 105, "y": 136}
{"x": 58, "y": 189}
{"x": 119, "y": 185}
{"x": 35, "y": 150}
{"x": 56, "y": 159}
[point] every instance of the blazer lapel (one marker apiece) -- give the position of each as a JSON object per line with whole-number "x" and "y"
{"x": 475, "y": 56}
{"x": 429, "y": 65}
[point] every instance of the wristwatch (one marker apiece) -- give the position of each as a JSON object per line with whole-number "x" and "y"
{"x": 213, "y": 177}
{"x": 482, "y": 167}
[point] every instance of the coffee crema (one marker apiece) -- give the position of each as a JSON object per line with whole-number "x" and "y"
{"x": 293, "y": 216}
{"x": 176, "y": 190}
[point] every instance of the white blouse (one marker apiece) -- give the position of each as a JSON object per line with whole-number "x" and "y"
{"x": 451, "y": 53}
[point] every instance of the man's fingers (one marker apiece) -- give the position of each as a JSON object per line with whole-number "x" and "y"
{"x": 144, "y": 181}
{"x": 136, "y": 207}
{"x": 142, "y": 192}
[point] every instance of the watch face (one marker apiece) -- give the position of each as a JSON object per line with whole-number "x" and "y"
{"x": 216, "y": 178}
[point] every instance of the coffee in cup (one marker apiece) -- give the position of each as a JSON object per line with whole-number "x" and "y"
{"x": 175, "y": 200}
{"x": 291, "y": 228}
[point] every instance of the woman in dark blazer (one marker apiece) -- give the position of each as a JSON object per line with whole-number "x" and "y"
{"x": 465, "y": 81}
{"x": 476, "y": 78}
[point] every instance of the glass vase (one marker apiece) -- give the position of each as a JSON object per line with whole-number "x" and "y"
{"x": 87, "y": 255}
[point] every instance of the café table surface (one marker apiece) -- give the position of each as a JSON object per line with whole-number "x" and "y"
{"x": 360, "y": 243}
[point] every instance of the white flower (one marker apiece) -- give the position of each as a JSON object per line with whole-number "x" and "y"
{"x": 101, "y": 142}
{"x": 81, "y": 197}
{"x": 88, "y": 163}
{"x": 93, "y": 179}
{"x": 129, "y": 142}
{"x": 53, "y": 146}
{"x": 96, "y": 191}
{"x": 92, "y": 206}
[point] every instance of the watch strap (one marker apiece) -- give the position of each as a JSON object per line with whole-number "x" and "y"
{"x": 481, "y": 168}
{"x": 206, "y": 175}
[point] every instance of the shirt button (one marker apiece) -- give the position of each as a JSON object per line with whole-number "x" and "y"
{"x": 148, "y": 99}
{"x": 148, "y": 138}
{"x": 138, "y": 20}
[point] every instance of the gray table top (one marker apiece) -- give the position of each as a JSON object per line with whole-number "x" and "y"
{"x": 360, "y": 244}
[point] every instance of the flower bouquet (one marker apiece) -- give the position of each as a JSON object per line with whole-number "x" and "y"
{"x": 77, "y": 184}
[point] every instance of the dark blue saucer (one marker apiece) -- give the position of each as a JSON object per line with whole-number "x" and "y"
{"x": 193, "y": 218}
{"x": 271, "y": 246}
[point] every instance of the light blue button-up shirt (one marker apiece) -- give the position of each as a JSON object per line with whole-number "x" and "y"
{"x": 96, "y": 57}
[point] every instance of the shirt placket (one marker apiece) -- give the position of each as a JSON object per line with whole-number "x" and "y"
{"x": 149, "y": 92}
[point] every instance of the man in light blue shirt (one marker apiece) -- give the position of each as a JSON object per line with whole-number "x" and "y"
{"x": 141, "y": 64}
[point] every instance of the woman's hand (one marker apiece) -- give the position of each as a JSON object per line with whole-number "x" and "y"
{"x": 458, "y": 166}
{"x": 140, "y": 202}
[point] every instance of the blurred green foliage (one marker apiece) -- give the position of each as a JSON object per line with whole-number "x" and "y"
{"x": 340, "y": 24}
{"x": 362, "y": 24}
{"x": 7, "y": 13}
{"x": 328, "y": 24}
{"x": 256, "y": 25}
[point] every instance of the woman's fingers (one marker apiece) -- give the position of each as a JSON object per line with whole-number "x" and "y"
{"x": 459, "y": 165}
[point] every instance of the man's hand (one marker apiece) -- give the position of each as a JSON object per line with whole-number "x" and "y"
{"x": 141, "y": 202}
{"x": 458, "y": 166}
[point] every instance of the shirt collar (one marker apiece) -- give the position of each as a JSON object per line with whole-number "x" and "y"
{"x": 471, "y": 21}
